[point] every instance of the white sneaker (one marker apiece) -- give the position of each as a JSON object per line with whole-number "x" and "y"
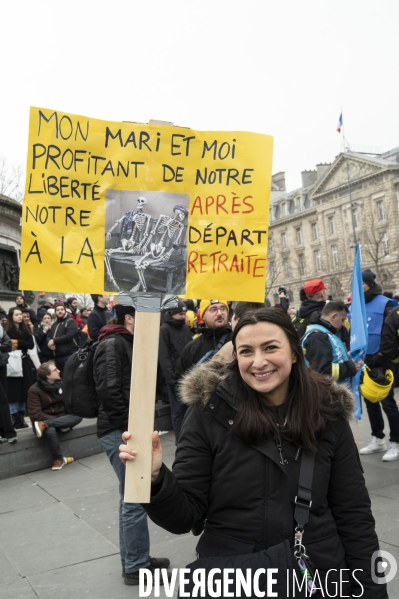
{"x": 374, "y": 446}
{"x": 392, "y": 453}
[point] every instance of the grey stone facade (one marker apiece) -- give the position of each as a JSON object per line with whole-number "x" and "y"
{"x": 311, "y": 233}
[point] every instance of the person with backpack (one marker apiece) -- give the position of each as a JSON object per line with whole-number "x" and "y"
{"x": 99, "y": 316}
{"x": 47, "y": 412}
{"x": 174, "y": 335}
{"x": 112, "y": 373}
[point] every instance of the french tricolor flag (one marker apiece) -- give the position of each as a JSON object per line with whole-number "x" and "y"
{"x": 340, "y": 123}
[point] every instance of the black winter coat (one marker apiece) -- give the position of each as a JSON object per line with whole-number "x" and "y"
{"x": 42, "y": 340}
{"x": 64, "y": 335}
{"x": 5, "y": 347}
{"x": 248, "y": 497}
{"x": 198, "y": 347}
{"x": 112, "y": 373}
{"x": 389, "y": 346}
{"x": 173, "y": 338}
{"x": 98, "y": 319}
{"x": 17, "y": 387}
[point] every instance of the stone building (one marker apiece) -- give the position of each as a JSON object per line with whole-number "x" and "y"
{"x": 10, "y": 243}
{"x": 311, "y": 232}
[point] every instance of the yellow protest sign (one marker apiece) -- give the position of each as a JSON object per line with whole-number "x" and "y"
{"x": 126, "y": 206}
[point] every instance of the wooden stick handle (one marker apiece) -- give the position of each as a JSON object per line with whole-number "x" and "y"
{"x": 142, "y": 405}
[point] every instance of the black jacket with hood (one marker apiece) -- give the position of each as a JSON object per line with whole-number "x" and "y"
{"x": 173, "y": 338}
{"x": 112, "y": 372}
{"x": 197, "y": 348}
{"x": 308, "y": 313}
{"x": 247, "y": 496}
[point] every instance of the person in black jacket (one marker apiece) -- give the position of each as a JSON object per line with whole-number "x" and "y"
{"x": 17, "y": 387}
{"x": 322, "y": 352}
{"x": 311, "y": 307}
{"x": 210, "y": 336}
{"x": 7, "y": 432}
{"x": 61, "y": 338}
{"x": 174, "y": 335}
{"x": 237, "y": 463}
{"x": 112, "y": 373}
{"x": 99, "y": 316}
{"x": 41, "y": 338}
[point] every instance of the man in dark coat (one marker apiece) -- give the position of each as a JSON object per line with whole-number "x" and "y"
{"x": 62, "y": 337}
{"x": 112, "y": 374}
{"x": 210, "y": 336}
{"x": 99, "y": 316}
{"x": 174, "y": 335}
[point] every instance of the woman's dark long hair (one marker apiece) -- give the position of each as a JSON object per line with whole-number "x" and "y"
{"x": 22, "y": 326}
{"x": 308, "y": 405}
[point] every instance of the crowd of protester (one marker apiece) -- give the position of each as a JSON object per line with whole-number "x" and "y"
{"x": 35, "y": 346}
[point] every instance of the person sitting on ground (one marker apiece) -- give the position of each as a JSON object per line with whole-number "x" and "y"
{"x": 47, "y": 411}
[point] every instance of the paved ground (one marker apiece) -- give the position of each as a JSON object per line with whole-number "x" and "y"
{"x": 59, "y": 530}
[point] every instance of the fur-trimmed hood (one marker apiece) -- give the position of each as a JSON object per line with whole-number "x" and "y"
{"x": 199, "y": 384}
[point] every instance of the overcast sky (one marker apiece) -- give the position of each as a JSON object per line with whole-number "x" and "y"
{"x": 283, "y": 68}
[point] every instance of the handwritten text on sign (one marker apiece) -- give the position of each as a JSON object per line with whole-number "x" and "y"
{"x": 74, "y": 160}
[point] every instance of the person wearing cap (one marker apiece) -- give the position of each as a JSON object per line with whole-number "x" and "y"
{"x": 211, "y": 335}
{"x": 324, "y": 350}
{"x": 311, "y": 307}
{"x": 378, "y": 308}
{"x": 174, "y": 335}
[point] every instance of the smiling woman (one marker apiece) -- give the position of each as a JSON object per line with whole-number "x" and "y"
{"x": 251, "y": 428}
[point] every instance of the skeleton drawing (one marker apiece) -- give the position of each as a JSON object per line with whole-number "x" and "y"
{"x": 134, "y": 223}
{"x": 168, "y": 227}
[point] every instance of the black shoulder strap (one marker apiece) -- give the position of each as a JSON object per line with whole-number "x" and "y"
{"x": 303, "y": 500}
{"x": 221, "y": 342}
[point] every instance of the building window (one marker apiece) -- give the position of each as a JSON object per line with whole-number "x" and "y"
{"x": 271, "y": 247}
{"x": 315, "y": 234}
{"x": 385, "y": 244}
{"x": 273, "y": 270}
{"x": 331, "y": 225}
{"x": 380, "y": 210}
{"x": 317, "y": 259}
{"x": 354, "y": 217}
{"x": 284, "y": 240}
{"x": 302, "y": 268}
{"x": 299, "y": 236}
{"x": 272, "y": 214}
{"x": 287, "y": 268}
{"x": 335, "y": 258}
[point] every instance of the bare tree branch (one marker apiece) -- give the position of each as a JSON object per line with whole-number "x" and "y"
{"x": 10, "y": 180}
